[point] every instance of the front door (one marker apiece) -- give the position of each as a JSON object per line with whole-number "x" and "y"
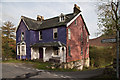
{"x": 41, "y": 52}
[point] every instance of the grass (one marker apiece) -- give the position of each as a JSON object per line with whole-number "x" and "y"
{"x": 39, "y": 65}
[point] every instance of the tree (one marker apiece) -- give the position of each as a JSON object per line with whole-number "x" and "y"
{"x": 8, "y": 40}
{"x": 8, "y": 30}
{"x": 108, "y": 18}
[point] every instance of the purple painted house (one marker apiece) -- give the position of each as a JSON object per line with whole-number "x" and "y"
{"x": 55, "y": 38}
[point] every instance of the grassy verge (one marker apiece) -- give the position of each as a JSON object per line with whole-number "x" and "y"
{"x": 39, "y": 65}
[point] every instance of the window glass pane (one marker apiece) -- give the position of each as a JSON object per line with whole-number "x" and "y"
{"x": 40, "y": 35}
{"x": 81, "y": 51}
{"x": 69, "y": 50}
{"x": 55, "y": 33}
{"x": 81, "y": 36}
{"x": 87, "y": 38}
{"x": 69, "y": 34}
{"x": 75, "y": 22}
{"x": 22, "y": 36}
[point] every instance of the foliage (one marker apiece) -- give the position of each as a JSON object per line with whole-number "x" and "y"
{"x": 101, "y": 56}
{"x": 8, "y": 40}
{"x": 108, "y": 18}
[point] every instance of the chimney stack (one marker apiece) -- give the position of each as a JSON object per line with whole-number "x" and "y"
{"x": 40, "y": 18}
{"x": 76, "y": 9}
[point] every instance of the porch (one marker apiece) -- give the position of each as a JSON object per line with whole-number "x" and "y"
{"x": 51, "y": 51}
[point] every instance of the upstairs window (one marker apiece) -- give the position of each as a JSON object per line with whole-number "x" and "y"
{"x": 40, "y": 35}
{"x": 87, "y": 38}
{"x": 69, "y": 34}
{"x": 62, "y": 17}
{"x": 22, "y": 36}
{"x": 55, "y": 35}
{"x": 84, "y": 27}
{"x": 81, "y": 37}
{"x": 75, "y": 22}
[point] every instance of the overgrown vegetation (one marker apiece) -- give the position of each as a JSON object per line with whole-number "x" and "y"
{"x": 8, "y": 41}
{"x": 101, "y": 56}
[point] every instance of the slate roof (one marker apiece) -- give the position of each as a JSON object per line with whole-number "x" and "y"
{"x": 48, "y": 44}
{"x": 48, "y": 23}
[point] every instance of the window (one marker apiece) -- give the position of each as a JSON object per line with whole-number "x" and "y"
{"x": 22, "y": 36}
{"x": 62, "y": 17}
{"x": 75, "y": 22}
{"x": 81, "y": 50}
{"x": 55, "y": 33}
{"x": 23, "y": 50}
{"x": 55, "y": 50}
{"x": 69, "y": 51}
{"x": 81, "y": 37}
{"x": 18, "y": 50}
{"x": 69, "y": 34}
{"x": 87, "y": 38}
{"x": 87, "y": 50}
{"x": 40, "y": 35}
{"x": 84, "y": 27}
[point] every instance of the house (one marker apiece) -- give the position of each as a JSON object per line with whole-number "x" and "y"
{"x": 64, "y": 38}
{"x": 97, "y": 41}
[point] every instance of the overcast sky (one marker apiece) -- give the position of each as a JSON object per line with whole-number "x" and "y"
{"x": 12, "y": 10}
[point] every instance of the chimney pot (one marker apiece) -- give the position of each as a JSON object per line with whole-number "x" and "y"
{"x": 40, "y": 18}
{"x": 76, "y": 9}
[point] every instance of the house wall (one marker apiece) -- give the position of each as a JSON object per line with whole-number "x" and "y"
{"x": 75, "y": 41}
{"x": 48, "y": 53}
{"x": 23, "y": 28}
{"x": 47, "y": 35}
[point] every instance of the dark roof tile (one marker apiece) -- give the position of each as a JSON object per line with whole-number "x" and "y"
{"x": 48, "y": 23}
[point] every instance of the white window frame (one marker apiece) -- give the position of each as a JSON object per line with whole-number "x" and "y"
{"x": 18, "y": 50}
{"x": 69, "y": 34}
{"x": 55, "y": 31}
{"x": 40, "y": 35}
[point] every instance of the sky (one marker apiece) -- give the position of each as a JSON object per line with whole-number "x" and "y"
{"x": 12, "y": 10}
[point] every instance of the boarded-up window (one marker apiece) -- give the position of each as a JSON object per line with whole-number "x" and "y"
{"x": 55, "y": 35}
{"x": 40, "y": 35}
{"x": 69, "y": 34}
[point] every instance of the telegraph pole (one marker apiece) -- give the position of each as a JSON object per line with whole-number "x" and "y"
{"x": 118, "y": 3}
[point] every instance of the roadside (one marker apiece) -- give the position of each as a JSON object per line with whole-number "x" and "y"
{"x": 33, "y": 69}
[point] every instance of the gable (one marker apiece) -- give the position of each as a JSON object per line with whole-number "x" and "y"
{"x": 68, "y": 24}
{"x": 21, "y": 22}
